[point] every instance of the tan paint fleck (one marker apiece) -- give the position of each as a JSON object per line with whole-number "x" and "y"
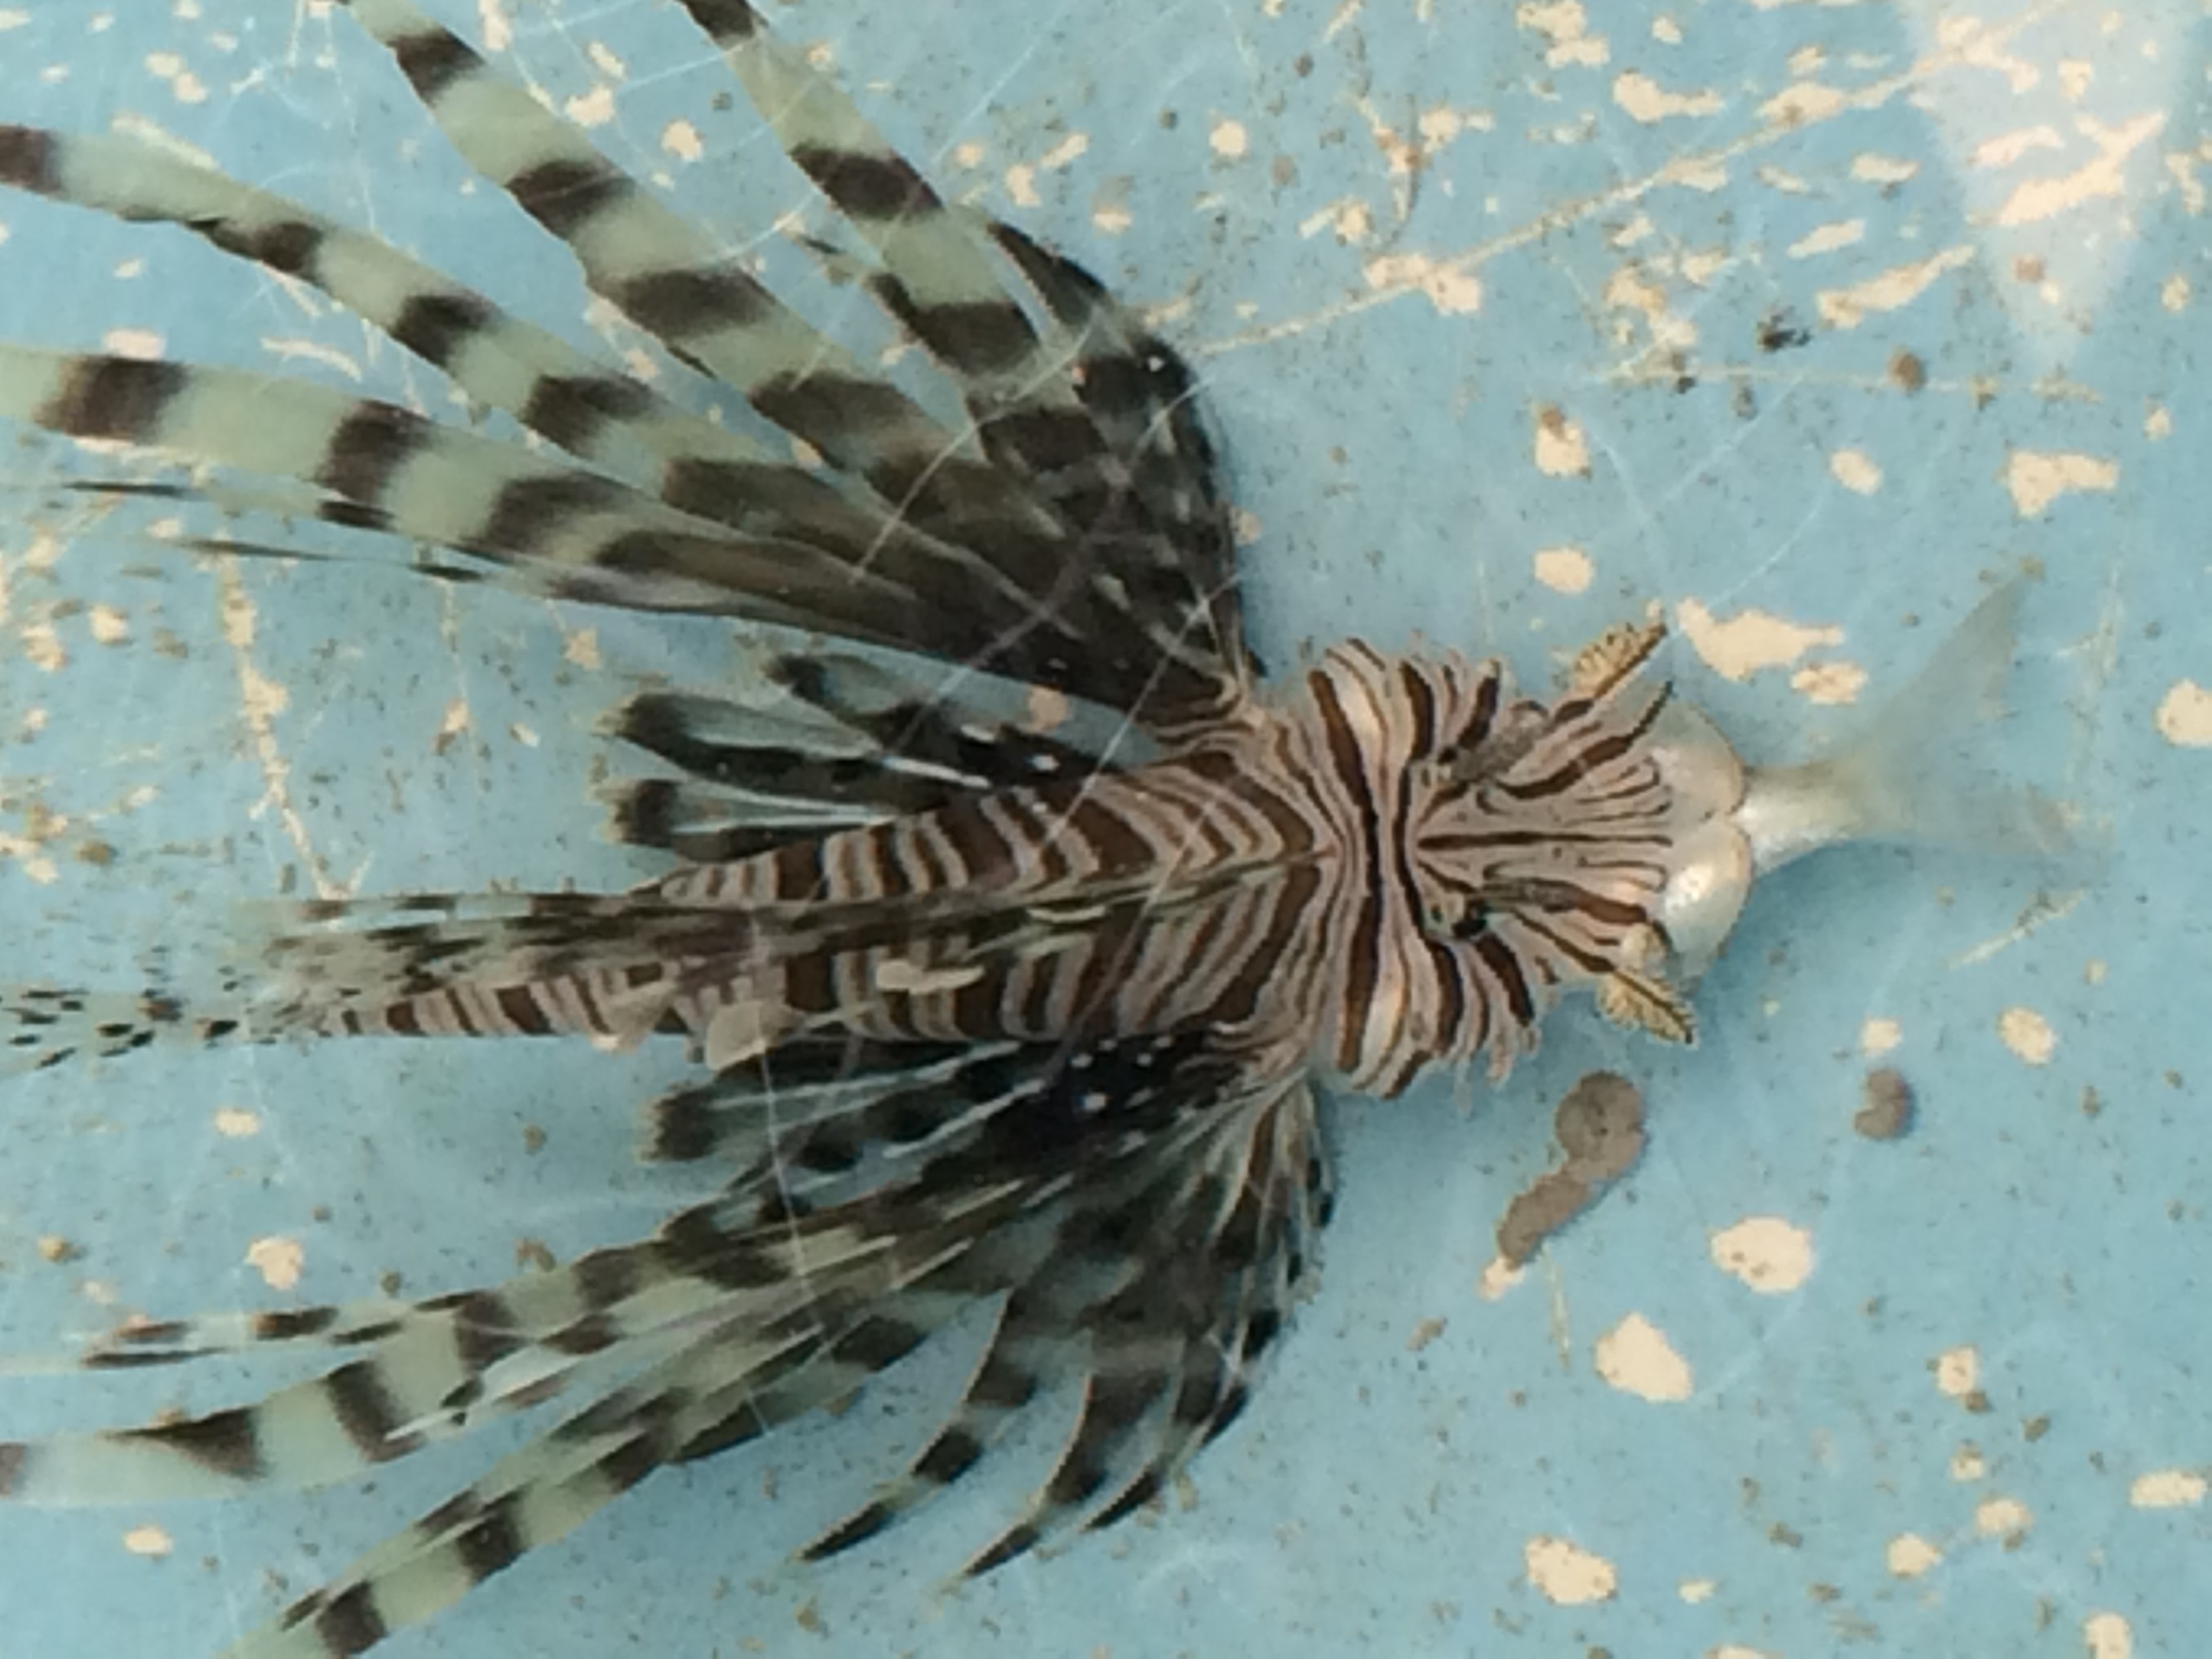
{"x": 260, "y": 701}
{"x": 1879, "y": 1037}
{"x": 2028, "y": 1033}
{"x": 1644, "y": 100}
{"x": 1871, "y": 168}
{"x": 1855, "y": 470}
{"x": 1959, "y": 1370}
{"x": 235, "y": 1123}
{"x": 1696, "y": 1592}
{"x": 1048, "y": 708}
{"x": 148, "y": 1541}
{"x": 2182, "y": 165}
{"x": 278, "y": 1260}
{"x": 2038, "y": 477}
{"x": 1666, "y": 31}
{"x": 681, "y": 139}
{"x": 1566, "y": 1574}
{"x": 594, "y": 108}
{"x": 607, "y": 61}
{"x": 1804, "y": 102}
{"x": 494, "y": 25}
{"x": 2003, "y": 1517}
{"x": 2158, "y": 422}
{"x": 1908, "y": 1555}
{"x": 1636, "y": 1358}
{"x": 1847, "y": 307}
{"x": 2043, "y": 198}
{"x": 1737, "y": 1650}
{"x": 2108, "y": 1636}
{"x": 580, "y": 649}
{"x": 1021, "y": 185}
{"x": 1498, "y": 1278}
{"x": 1564, "y": 569}
{"x": 2007, "y": 148}
{"x": 1843, "y": 233}
{"x": 2074, "y": 78}
{"x": 1830, "y": 684}
{"x": 2173, "y": 293}
{"x": 1749, "y": 641}
{"x": 1967, "y": 1463}
{"x": 141, "y": 344}
{"x": 1228, "y": 139}
{"x": 2167, "y": 1489}
{"x": 1764, "y": 1252}
{"x": 1561, "y": 450}
{"x": 1453, "y": 291}
{"x": 1566, "y": 26}
{"x": 2185, "y": 715}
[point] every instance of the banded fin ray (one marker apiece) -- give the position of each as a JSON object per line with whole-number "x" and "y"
{"x": 1132, "y": 475}
{"x": 849, "y": 742}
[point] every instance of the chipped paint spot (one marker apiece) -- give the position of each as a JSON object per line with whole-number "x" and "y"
{"x": 1064, "y": 154}
{"x": 1636, "y": 1358}
{"x": 492, "y": 20}
{"x": 2038, "y": 477}
{"x": 1829, "y": 684}
{"x": 1898, "y": 286}
{"x": 2007, "y": 148}
{"x": 1749, "y": 641}
{"x": 1908, "y": 1555}
{"x": 140, "y": 343}
{"x": 1826, "y": 239}
{"x": 1228, "y": 139}
{"x": 2185, "y": 715}
{"x": 1021, "y": 185}
{"x": 2003, "y": 1517}
{"x": 2044, "y": 199}
{"x": 278, "y": 1260}
{"x": 1958, "y": 1372}
{"x": 2028, "y": 1033}
{"x": 1802, "y": 103}
{"x": 681, "y": 139}
{"x": 1563, "y": 570}
{"x": 1871, "y": 168}
{"x": 1561, "y": 450}
{"x": 2173, "y": 293}
{"x": 2167, "y": 1489}
{"x": 594, "y": 108}
{"x": 149, "y": 1541}
{"x": 1568, "y": 1575}
{"x": 1879, "y": 1037}
{"x": 1855, "y": 470}
{"x": 2108, "y": 1636}
{"x": 235, "y": 1123}
{"x": 581, "y": 648}
{"x": 1967, "y": 1463}
{"x": 1498, "y": 1278}
{"x": 1644, "y": 100}
{"x": 1566, "y": 26}
{"x": 1695, "y": 1592}
{"x": 1048, "y": 708}
{"x": 1666, "y": 31}
{"x": 1766, "y": 1253}
{"x": 1452, "y": 291}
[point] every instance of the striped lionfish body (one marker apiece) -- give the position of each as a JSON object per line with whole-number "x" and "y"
{"x": 1023, "y": 1000}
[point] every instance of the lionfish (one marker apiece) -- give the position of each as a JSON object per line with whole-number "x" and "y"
{"x": 1013, "y": 983}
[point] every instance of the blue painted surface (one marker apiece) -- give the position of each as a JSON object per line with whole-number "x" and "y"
{"x": 1380, "y": 1496}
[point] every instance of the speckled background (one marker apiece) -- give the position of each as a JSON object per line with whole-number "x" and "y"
{"x": 1804, "y": 320}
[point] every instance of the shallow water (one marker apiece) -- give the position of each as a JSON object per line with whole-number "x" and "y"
{"x": 1803, "y": 322}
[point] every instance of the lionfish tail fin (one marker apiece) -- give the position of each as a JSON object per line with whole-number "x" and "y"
{"x": 1910, "y": 773}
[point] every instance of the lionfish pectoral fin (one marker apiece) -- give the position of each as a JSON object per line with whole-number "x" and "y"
{"x": 1639, "y": 1002}
{"x": 1612, "y": 657}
